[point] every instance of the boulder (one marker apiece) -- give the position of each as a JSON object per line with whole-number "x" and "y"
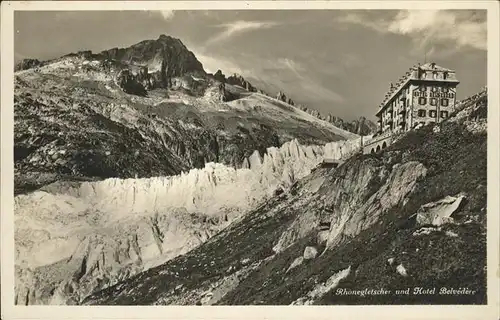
{"x": 439, "y": 212}
{"x": 401, "y": 270}
{"x": 310, "y": 253}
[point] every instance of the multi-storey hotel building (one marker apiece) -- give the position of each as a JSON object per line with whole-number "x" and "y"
{"x": 425, "y": 94}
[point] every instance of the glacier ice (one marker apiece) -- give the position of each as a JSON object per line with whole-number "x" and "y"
{"x": 145, "y": 222}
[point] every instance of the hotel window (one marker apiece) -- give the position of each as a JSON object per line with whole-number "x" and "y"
{"x": 445, "y": 75}
{"x": 433, "y": 101}
{"x": 451, "y": 95}
{"x": 444, "y": 114}
{"x": 422, "y": 88}
{"x": 434, "y": 75}
{"x": 444, "y": 102}
{"x": 444, "y": 89}
{"x": 434, "y": 89}
{"x": 421, "y": 113}
{"x": 422, "y": 100}
{"x": 432, "y": 113}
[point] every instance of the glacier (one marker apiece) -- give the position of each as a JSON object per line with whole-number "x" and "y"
{"x": 118, "y": 226}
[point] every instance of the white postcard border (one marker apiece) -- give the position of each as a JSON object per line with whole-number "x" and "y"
{"x": 9, "y": 311}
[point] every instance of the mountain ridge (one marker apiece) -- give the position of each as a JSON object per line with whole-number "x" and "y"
{"x": 156, "y": 101}
{"x": 163, "y": 56}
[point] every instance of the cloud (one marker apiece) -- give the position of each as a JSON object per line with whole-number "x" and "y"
{"x": 316, "y": 92}
{"x": 238, "y": 27}
{"x": 280, "y": 74}
{"x": 212, "y": 63}
{"x": 310, "y": 89}
{"x": 429, "y": 27}
{"x": 290, "y": 64}
{"x": 441, "y": 26}
{"x": 165, "y": 14}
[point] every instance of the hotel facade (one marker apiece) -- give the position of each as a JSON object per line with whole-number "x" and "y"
{"x": 426, "y": 94}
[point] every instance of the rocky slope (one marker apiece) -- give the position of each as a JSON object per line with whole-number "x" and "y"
{"x": 412, "y": 216}
{"x": 148, "y": 110}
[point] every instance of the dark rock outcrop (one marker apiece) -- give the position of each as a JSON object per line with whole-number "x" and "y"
{"x": 281, "y": 96}
{"x": 27, "y": 64}
{"x": 130, "y": 83}
{"x": 219, "y": 76}
{"x": 145, "y": 79}
{"x": 361, "y": 126}
{"x": 238, "y": 80}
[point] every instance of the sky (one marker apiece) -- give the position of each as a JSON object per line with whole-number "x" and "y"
{"x": 339, "y": 62}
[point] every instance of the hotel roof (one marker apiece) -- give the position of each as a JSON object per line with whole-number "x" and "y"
{"x": 430, "y": 66}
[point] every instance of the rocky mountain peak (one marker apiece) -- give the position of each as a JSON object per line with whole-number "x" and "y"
{"x": 165, "y": 52}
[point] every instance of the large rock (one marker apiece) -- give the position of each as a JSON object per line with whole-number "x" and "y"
{"x": 439, "y": 212}
{"x": 351, "y": 212}
{"x": 310, "y": 253}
